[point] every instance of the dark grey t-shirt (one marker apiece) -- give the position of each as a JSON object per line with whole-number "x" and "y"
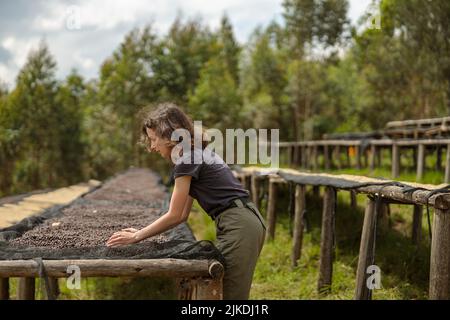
{"x": 213, "y": 184}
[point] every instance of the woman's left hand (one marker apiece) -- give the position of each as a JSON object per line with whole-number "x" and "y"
{"x": 123, "y": 237}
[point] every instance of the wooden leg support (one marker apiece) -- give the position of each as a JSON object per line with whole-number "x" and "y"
{"x": 26, "y": 289}
{"x": 4, "y": 288}
{"x": 440, "y": 256}
{"x": 300, "y": 191}
{"x": 366, "y": 251}
{"x": 326, "y": 242}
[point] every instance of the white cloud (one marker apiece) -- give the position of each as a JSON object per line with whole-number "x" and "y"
{"x": 104, "y": 23}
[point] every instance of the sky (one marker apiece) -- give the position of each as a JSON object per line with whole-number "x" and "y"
{"x": 81, "y": 34}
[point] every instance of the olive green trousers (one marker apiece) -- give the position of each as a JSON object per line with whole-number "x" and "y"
{"x": 240, "y": 233}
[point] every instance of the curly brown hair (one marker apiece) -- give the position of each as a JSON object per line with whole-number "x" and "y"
{"x": 164, "y": 120}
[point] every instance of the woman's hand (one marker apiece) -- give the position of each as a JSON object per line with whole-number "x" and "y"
{"x": 123, "y": 237}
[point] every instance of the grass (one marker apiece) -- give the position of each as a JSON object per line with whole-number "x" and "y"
{"x": 404, "y": 266}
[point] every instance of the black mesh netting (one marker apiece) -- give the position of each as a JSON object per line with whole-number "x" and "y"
{"x": 80, "y": 230}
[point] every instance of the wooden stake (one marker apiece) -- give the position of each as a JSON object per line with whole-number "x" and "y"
{"x": 440, "y": 256}
{"x": 300, "y": 199}
{"x": 326, "y": 241}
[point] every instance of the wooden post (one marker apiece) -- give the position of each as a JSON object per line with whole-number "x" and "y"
{"x": 438, "y": 158}
{"x": 337, "y": 157}
{"x": 420, "y": 161}
{"x": 358, "y": 157}
{"x": 379, "y": 157}
{"x": 440, "y": 256}
{"x": 366, "y": 251}
{"x": 447, "y": 165}
{"x": 208, "y": 289}
{"x": 315, "y": 157}
{"x": 296, "y": 155}
{"x": 304, "y": 157}
{"x": 316, "y": 191}
{"x": 417, "y": 224}
{"x": 373, "y": 150}
{"x": 26, "y": 289}
{"x": 271, "y": 206}
{"x": 326, "y": 241}
{"x": 255, "y": 190}
{"x": 289, "y": 155}
{"x": 395, "y": 160}
{"x": 300, "y": 199}
{"x": 353, "y": 201}
{"x": 4, "y": 288}
{"x": 326, "y": 156}
{"x": 347, "y": 156}
{"x": 54, "y": 287}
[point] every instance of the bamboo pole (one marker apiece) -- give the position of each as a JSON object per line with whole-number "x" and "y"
{"x": 440, "y": 256}
{"x": 300, "y": 199}
{"x": 326, "y": 242}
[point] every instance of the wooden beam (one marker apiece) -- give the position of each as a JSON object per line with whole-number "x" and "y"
{"x": 110, "y": 268}
{"x": 326, "y": 241}
{"x": 366, "y": 251}
{"x": 300, "y": 199}
{"x": 440, "y": 257}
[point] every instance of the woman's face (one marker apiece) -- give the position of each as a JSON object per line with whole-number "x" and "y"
{"x": 158, "y": 144}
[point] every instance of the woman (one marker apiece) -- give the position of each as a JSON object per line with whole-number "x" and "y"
{"x": 240, "y": 227}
